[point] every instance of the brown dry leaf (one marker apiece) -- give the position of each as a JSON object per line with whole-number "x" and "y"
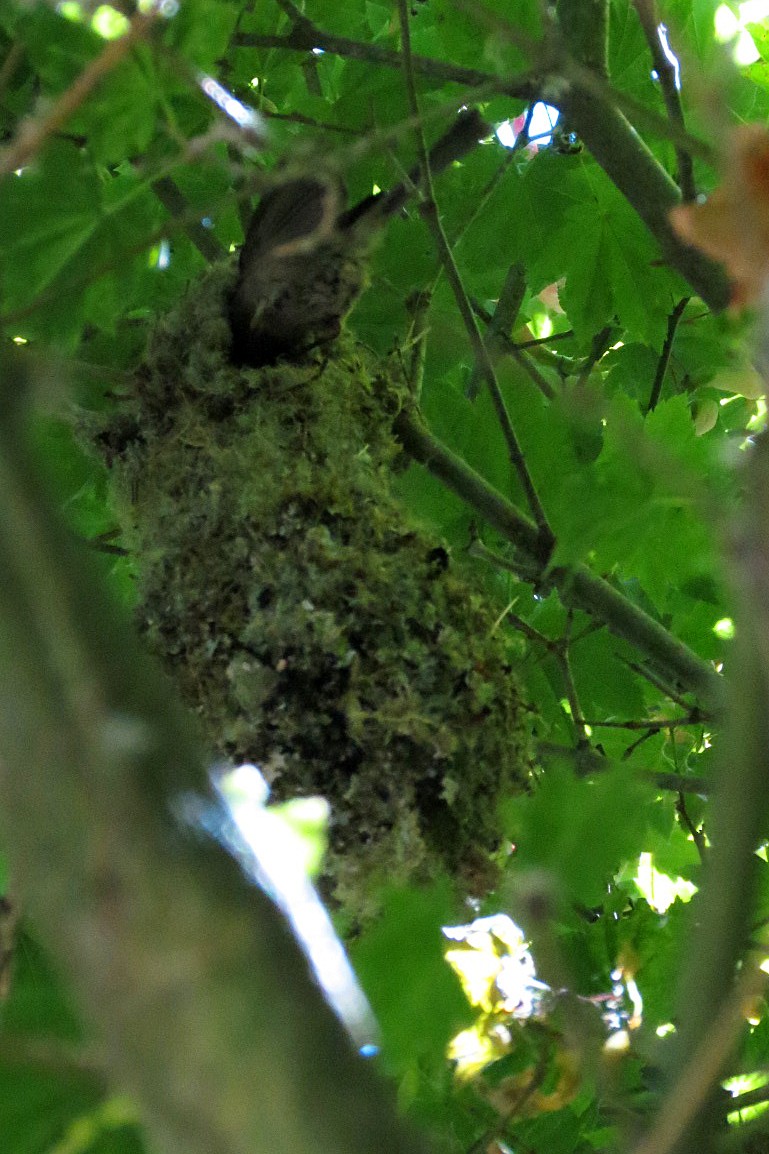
{"x": 732, "y": 225}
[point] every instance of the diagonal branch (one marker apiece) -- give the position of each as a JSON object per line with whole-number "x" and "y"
{"x": 429, "y": 210}
{"x": 174, "y": 201}
{"x": 578, "y": 587}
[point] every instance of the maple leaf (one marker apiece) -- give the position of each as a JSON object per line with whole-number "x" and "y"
{"x": 732, "y": 225}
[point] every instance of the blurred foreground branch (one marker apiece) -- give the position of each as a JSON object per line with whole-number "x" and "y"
{"x": 719, "y": 972}
{"x": 203, "y": 1003}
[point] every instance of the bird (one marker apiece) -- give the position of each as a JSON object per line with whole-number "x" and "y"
{"x": 303, "y": 262}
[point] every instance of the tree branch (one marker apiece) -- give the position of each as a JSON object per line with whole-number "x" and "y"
{"x": 578, "y": 587}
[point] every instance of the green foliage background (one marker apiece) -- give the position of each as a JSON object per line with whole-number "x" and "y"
{"x": 147, "y": 169}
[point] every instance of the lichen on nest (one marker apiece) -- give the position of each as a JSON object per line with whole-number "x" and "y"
{"x": 314, "y": 628}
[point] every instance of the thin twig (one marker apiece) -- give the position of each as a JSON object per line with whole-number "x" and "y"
{"x": 481, "y": 200}
{"x": 577, "y": 717}
{"x": 535, "y": 342}
{"x": 501, "y": 321}
{"x": 515, "y": 350}
{"x": 429, "y": 211}
{"x": 515, "y": 452}
{"x": 417, "y": 306}
{"x": 560, "y": 651}
{"x": 483, "y": 1145}
{"x": 498, "y": 336}
{"x": 639, "y": 741}
{"x": 667, "y": 75}
{"x": 173, "y": 199}
{"x": 533, "y": 634}
{"x": 311, "y": 122}
{"x": 305, "y": 37}
{"x": 696, "y": 832}
{"x": 521, "y": 565}
{"x": 659, "y": 683}
{"x": 499, "y": 341}
{"x": 293, "y": 12}
{"x": 694, "y": 718}
{"x": 664, "y": 358}
{"x": 531, "y": 370}
{"x": 598, "y": 347}
{"x": 506, "y": 311}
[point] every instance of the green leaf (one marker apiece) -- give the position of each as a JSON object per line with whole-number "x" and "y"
{"x": 553, "y": 828}
{"x": 37, "y": 1004}
{"x": 58, "y": 48}
{"x": 201, "y": 30}
{"x": 657, "y": 942}
{"x": 119, "y": 119}
{"x": 416, "y": 997}
{"x": 608, "y": 686}
{"x": 36, "y": 1108}
{"x": 47, "y": 214}
{"x": 587, "y": 294}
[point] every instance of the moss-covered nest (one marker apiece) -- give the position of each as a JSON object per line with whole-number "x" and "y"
{"x": 312, "y": 626}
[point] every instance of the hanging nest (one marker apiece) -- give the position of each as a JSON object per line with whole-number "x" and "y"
{"x": 313, "y": 627}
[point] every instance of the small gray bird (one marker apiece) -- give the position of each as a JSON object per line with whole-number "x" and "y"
{"x": 303, "y": 262}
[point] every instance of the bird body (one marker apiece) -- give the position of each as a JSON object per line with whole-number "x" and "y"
{"x": 299, "y": 273}
{"x": 303, "y": 262}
